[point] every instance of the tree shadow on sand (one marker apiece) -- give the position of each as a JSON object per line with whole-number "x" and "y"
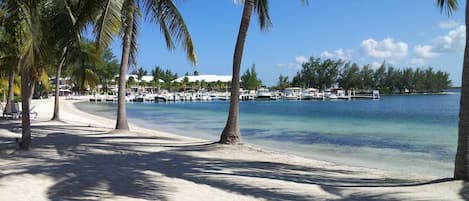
{"x": 93, "y": 163}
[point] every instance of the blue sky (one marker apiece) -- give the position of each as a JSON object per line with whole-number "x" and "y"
{"x": 402, "y": 32}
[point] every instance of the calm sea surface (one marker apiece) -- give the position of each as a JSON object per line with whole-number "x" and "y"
{"x": 412, "y": 134}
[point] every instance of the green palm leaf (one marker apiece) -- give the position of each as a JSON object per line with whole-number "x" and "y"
{"x": 172, "y": 25}
{"x": 447, "y": 6}
{"x": 108, "y": 23}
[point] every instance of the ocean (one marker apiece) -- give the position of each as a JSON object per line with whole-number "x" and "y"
{"x": 411, "y": 134}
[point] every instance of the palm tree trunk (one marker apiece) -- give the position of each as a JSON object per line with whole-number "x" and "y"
{"x": 461, "y": 168}
{"x": 11, "y": 94}
{"x": 231, "y": 133}
{"x": 26, "y": 96}
{"x": 56, "y": 115}
{"x": 122, "y": 123}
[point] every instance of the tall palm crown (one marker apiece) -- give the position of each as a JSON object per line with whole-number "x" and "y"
{"x": 123, "y": 16}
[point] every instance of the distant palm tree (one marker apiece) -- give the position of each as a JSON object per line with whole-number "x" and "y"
{"x": 127, "y": 13}
{"x": 9, "y": 64}
{"x": 84, "y": 61}
{"x": 231, "y": 133}
{"x": 71, "y": 18}
{"x": 461, "y": 167}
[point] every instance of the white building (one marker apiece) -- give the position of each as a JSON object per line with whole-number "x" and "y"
{"x": 206, "y": 78}
{"x": 146, "y": 78}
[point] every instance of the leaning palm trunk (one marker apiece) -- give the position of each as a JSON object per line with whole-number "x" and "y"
{"x": 56, "y": 115}
{"x": 122, "y": 123}
{"x": 231, "y": 133}
{"x": 461, "y": 169}
{"x": 26, "y": 95}
{"x": 11, "y": 94}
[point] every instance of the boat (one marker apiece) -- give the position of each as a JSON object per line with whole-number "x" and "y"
{"x": 329, "y": 95}
{"x": 263, "y": 94}
{"x": 309, "y": 94}
{"x": 292, "y": 93}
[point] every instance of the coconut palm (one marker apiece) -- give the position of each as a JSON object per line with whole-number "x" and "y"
{"x": 70, "y": 18}
{"x": 25, "y": 20}
{"x": 461, "y": 167}
{"x": 8, "y": 58}
{"x": 9, "y": 64}
{"x": 84, "y": 62}
{"x": 161, "y": 12}
{"x": 231, "y": 133}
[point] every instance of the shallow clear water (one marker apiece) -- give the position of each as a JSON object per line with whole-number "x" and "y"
{"x": 413, "y": 134}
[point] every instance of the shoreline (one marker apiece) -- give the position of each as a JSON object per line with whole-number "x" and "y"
{"x": 366, "y": 157}
{"x": 106, "y": 164}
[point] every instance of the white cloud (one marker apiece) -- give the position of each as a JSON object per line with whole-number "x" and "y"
{"x": 417, "y": 61}
{"x": 337, "y": 54}
{"x": 327, "y": 54}
{"x": 375, "y": 64}
{"x": 424, "y": 51}
{"x": 386, "y": 49}
{"x": 299, "y": 60}
{"x": 448, "y": 24}
{"x": 453, "y": 41}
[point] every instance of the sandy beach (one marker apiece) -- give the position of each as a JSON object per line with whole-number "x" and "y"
{"x": 80, "y": 159}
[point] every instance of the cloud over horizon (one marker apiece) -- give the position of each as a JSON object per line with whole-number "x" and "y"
{"x": 387, "y": 49}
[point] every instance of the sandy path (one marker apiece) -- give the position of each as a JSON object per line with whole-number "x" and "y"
{"x": 79, "y": 159}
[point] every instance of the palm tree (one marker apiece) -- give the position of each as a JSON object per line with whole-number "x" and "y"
{"x": 461, "y": 167}
{"x": 162, "y": 12}
{"x": 29, "y": 23}
{"x": 85, "y": 61}
{"x": 9, "y": 64}
{"x": 140, "y": 73}
{"x": 26, "y": 22}
{"x": 70, "y": 18}
{"x": 231, "y": 133}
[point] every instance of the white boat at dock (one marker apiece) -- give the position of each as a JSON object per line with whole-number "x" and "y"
{"x": 263, "y": 94}
{"x": 292, "y": 93}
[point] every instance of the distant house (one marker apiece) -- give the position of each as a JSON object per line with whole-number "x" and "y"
{"x": 65, "y": 86}
{"x": 147, "y": 79}
{"x": 206, "y": 78}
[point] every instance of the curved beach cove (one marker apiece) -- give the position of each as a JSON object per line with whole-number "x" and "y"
{"x": 409, "y": 134}
{"x": 79, "y": 158}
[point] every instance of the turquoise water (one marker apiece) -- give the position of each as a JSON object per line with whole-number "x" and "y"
{"x": 412, "y": 134}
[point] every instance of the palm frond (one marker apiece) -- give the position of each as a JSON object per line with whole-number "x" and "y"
{"x": 261, "y": 7}
{"x": 108, "y": 23}
{"x": 133, "y": 42}
{"x": 447, "y": 6}
{"x": 130, "y": 17}
{"x": 44, "y": 79}
{"x": 172, "y": 25}
{"x": 91, "y": 78}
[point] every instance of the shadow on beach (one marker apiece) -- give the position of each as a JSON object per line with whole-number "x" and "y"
{"x": 87, "y": 163}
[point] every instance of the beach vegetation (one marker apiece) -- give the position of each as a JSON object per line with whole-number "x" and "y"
{"x": 322, "y": 74}
{"x": 282, "y": 83}
{"x": 249, "y": 80}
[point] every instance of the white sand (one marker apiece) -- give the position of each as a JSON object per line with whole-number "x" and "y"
{"x": 79, "y": 159}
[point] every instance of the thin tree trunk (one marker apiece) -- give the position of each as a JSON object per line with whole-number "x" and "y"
{"x": 461, "y": 168}
{"x": 231, "y": 133}
{"x": 56, "y": 116}
{"x": 26, "y": 95}
{"x": 122, "y": 123}
{"x": 11, "y": 94}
